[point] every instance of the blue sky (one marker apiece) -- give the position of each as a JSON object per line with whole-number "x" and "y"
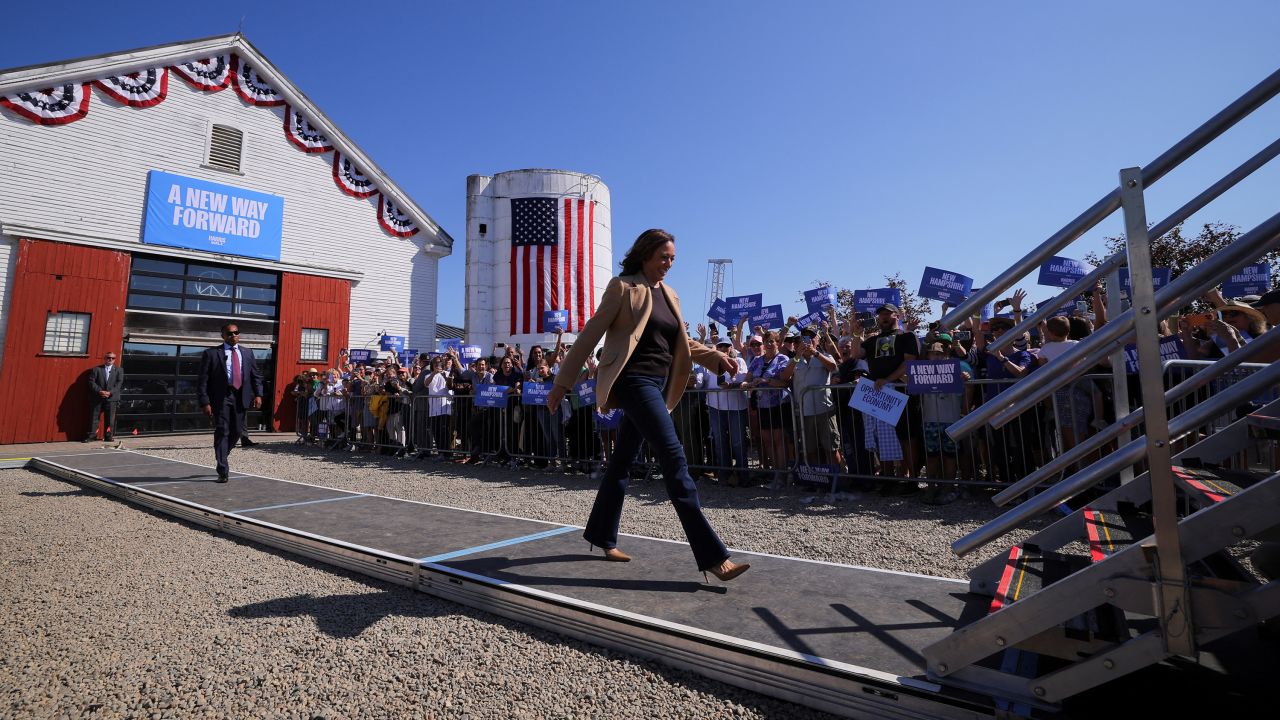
{"x": 832, "y": 140}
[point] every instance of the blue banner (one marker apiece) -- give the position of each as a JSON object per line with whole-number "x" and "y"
{"x": 535, "y": 393}
{"x": 945, "y": 285}
{"x": 447, "y": 343}
{"x": 740, "y": 305}
{"x": 1062, "y": 272}
{"x": 491, "y": 396}
{"x": 200, "y": 215}
{"x": 611, "y": 420}
{"x": 360, "y": 357}
{"x": 1171, "y": 348}
{"x": 769, "y": 317}
{"x": 719, "y": 312}
{"x": 1250, "y": 280}
{"x": 1159, "y": 278}
{"x": 391, "y": 342}
{"x": 1064, "y": 311}
{"x": 819, "y": 299}
{"x": 934, "y": 377}
{"x": 886, "y": 404}
{"x": 554, "y": 320}
{"x": 817, "y": 474}
{"x": 469, "y": 353}
{"x": 812, "y": 318}
{"x": 408, "y": 356}
{"x": 871, "y": 300}
{"x": 587, "y": 392}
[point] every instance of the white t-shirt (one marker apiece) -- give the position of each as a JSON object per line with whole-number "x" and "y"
{"x": 1054, "y": 349}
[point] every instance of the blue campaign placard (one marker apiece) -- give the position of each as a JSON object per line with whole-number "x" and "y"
{"x": 886, "y": 404}
{"x": 407, "y": 356}
{"x": 812, "y": 318}
{"x": 535, "y": 393}
{"x": 1171, "y": 348}
{"x": 871, "y": 300}
{"x": 769, "y": 317}
{"x": 1062, "y": 272}
{"x": 554, "y": 320}
{"x": 447, "y": 343}
{"x": 819, "y": 299}
{"x": 1064, "y": 311}
{"x": 1159, "y": 278}
{"x": 1249, "y": 280}
{"x": 611, "y": 420}
{"x": 360, "y": 357}
{"x": 944, "y": 285}
{"x": 586, "y": 392}
{"x": 200, "y": 215}
{"x": 740, "y": 305}
{"x": 469, "y": 353}
{"x": 719, "y": 312}
{"x": 392, "y": 342}
{"x": 816, "y": 474}
{"x": 934, "y": 377}
{"x": 491, "y": 396}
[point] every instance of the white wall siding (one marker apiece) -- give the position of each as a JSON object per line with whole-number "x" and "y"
{"x": 89, "y": 177}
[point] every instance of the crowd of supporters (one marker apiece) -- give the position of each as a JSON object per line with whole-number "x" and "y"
{"x": 783, "y": 416}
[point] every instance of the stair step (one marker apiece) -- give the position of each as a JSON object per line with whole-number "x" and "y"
{"x": 1112, "y": 528}
{"x": 1027, "y": 569}
{"x": 1205, "y": 484}
{"x": 1263, "y": 424}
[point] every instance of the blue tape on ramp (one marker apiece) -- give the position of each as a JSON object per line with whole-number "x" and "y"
{"x": 496, "y": 545}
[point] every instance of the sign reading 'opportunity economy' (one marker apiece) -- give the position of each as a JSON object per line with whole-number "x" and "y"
{"x": 200, "y": 215}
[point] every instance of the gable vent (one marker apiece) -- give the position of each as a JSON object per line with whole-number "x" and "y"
{"x": 225, "y": 147}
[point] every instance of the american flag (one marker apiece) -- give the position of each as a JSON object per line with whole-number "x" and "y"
{"x": 552, "y": 261}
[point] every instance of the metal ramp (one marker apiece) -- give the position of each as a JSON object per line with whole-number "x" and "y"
{"x": 1156, "y": 578}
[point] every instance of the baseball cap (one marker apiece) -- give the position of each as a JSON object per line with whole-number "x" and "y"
{"x": 943, "y": 337}
{"x": 755, "y": 338}
{"x": 888, "y": 306}
{"x": 809, "y": 332}
{"x": 1269, "y": 298}
{"x": 936, "y": 347}
{"x": 723, "y": 343}
{"x": 313, "y": 371}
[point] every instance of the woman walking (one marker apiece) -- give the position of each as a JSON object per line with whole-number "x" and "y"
{"x": 643, "y": 370}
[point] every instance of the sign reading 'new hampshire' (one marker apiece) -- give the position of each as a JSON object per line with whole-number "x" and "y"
{"x": 1062, "y": 272}
{"x": 200, "y": 215}
{"x": 1159, "y": 278}
{"x": 819, "y": 299}
{"x": 491, "y": 396}
{"x": 740, "y": 305}
{"x": 945, "y": 285}
{"x": 1250, "y": 280}
{"x": 871, "y": 300}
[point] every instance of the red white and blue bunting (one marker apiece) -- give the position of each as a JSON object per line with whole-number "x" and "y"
{"x": 299, "y": 131}
{"x": 140, "y": 89}
{"x": 147, "y": 88}
{"x": 210, "y": 74}
{"x": 55, "y": 106}
{"x": 394, "y": 221}
{"x": 250, "y": 86}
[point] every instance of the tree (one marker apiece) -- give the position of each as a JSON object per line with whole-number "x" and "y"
{"x": 914, "y": 309}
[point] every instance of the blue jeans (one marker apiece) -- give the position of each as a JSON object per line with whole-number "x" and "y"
{"x": 729, "y": 440}
{"x": 645, "y": 417}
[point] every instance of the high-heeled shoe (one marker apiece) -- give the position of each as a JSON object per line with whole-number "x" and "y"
{"x": 613, "y": 554}
{"x": 726, "y": 571}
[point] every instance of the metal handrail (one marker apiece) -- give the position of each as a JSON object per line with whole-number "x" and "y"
{"x": 1127, "y": 455}
{"x": 1111, "y": 337}
{"x": 1153, "y": 171}
{"x": 1211, "y": 372}
{"x": 1228, "y": 181}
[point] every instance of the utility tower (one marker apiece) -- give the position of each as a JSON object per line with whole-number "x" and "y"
{"x": 717, "y": 277}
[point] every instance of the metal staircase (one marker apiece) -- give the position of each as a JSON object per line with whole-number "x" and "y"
{"x": 1147, "y": 568}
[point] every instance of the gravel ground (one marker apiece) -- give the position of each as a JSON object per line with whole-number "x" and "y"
{"x": 113, "y": 611}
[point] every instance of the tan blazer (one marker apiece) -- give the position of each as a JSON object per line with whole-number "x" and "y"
{"x": 620, "y": 318}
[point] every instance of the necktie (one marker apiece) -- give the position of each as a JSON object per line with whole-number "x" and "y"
{"x": 235, "y": 368}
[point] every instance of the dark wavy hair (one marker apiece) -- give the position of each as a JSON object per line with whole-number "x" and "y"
{"x": 643, "y": 248}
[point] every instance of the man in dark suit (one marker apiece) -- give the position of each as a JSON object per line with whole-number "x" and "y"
{"x": 228, "y": 384}
{"x": 105, "y": 383}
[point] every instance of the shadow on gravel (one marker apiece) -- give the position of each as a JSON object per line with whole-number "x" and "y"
{"x": 342, "y": 616}
{"x": 64, "y": 493}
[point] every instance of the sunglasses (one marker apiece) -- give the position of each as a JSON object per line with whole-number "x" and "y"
{"x": 232, "y": 332}
{"x": 754, "y": 343}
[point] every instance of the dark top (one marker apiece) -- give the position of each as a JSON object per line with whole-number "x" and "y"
{"x": 652, "y": 355}
{"x": 884, "y": 353}
{"x": 510, "y": 380}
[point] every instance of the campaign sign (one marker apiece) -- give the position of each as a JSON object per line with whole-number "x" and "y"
{"x": 768, "y": 317}
{"x": 201, "y": 215}
{"x": 360, "y": 357}
{"x": 945, "y": 285}
{"x": 1159, "y": 278}
{"x": 1251, "y": 280}
{"x": 1062, "y": 272}
{"x": 812, "y": 318}
{"x": 740, "y": 305}
{"x": 1064, "y": 311}
{"x": 408, "y": 356}
{"x": 934, "y": 377}
{"x": 611, "y": 420}
{"x": 719, "y": 312}
{"x": 554, "y": 320}
{"x": 819, "y": 299}
{"x": 871, "y": 300}
{"x": 816, "y": 474}
{"x": 469, "y": 353}
{"x": 447, "y": 343}
{"x": 886, "y": 404}
{"x": 535, "y": 393}
{"x": 586, "y": 392}
{"x": 392, "y": 342}
{"x": 491, "y": 396}
{"x": 1171, "y": 348}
